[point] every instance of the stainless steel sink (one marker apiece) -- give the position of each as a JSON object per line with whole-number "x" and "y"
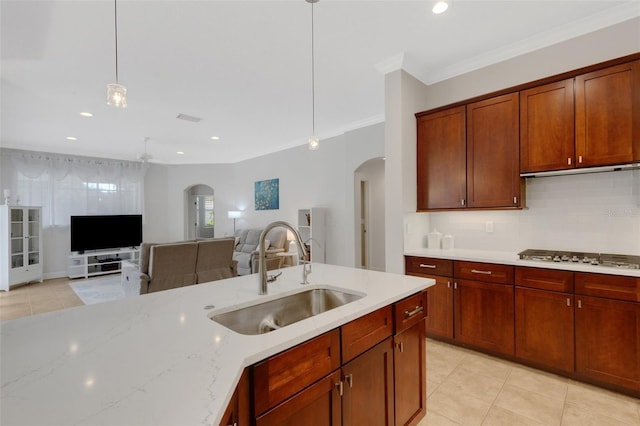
{"x": 274, "y": 314}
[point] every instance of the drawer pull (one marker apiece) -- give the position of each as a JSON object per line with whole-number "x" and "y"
{"x": 476, "y": 271}
{"x": 339, "y": 387}
{"x": 400, "y": 346}
{"x": 417, "y": 310}
{"x": 424, "y": 265}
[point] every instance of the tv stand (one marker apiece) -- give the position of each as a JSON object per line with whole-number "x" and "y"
{"x": 100, "y": 262}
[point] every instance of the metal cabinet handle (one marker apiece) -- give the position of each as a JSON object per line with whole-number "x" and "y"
{"x": 349, "y": 379}
{"x": 455, "y": 285}
{"x": 580, "y": 159}
{"x": 462, "y": 202}
{"x": 415, "y": 311}
{"x": 515, "y": 200}
{"x": 579, "y": 304}
{"x": 400, "y": 346}
{"x": 340, "y": 387}
{"x": 569, "y": 161}
{"x": 477, "y": 271}
{"x": 448, "y": 284}
{"x": 568, "y": 302}
{"x": 424, "y": 265}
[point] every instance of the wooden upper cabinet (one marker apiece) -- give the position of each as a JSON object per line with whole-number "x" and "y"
{"x": 547, "y": 128}
{"x": 493, "y": 172}
{"x": 608, "y": 115}
{"x": 441, "y": 160}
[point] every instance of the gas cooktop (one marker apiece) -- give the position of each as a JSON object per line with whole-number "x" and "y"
{"x": 621, "y": 261}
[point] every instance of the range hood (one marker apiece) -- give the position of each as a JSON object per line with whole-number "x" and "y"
{"x": 583, "y": 170}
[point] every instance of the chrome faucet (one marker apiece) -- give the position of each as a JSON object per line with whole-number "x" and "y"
{"x": 263, "y": 258}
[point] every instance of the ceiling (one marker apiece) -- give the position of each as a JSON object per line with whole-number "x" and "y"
{"x": 244, "y": 67}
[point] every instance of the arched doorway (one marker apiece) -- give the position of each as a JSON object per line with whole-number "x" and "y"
{"x": 369, "y": 215}
{"x": 200, "y": 212}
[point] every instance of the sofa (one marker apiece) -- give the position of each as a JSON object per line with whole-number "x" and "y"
{"x": 246, "y": 249}
{"x": 179, "y": 264}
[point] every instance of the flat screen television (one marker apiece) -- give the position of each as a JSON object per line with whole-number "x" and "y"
{"x": 105, "y": 232}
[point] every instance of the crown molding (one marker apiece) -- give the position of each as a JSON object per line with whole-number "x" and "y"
{"x": 598, "y": 21}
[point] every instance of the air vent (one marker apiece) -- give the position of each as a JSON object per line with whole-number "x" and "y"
{"x": 191, "y": 118}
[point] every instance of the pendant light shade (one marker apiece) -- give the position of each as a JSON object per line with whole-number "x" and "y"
{"x": 314, "y": 142}
{"x": 116, "y": 92}
{"x": 116, "y": 95}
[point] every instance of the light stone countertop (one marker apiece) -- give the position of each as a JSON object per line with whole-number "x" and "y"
{"x": 510, "y": 258}
{"x": 158, "y": 359}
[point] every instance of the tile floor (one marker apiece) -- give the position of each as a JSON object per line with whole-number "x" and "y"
{"x": 37, "y": 298}
{"x": 469, "y": 388}
{"x": 464, "y": 387}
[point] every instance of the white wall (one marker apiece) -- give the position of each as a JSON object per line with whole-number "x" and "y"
{"x": 596, "y": 212}
{"x": 322, "y": 178}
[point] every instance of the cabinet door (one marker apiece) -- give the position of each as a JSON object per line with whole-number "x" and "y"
{"x": 484, "y": 315}
{"x": 544, "y": 328}
{"x": 441, "y": 156}
{"x": 608, "y": 341}
{"x": 368, "y": 387}
{"x": 317, "y": 405}
{"x": 608, "y": 115}
{"x": 409, "y": 368}
{"x": 493, "y": 159}
{"x": 547, "y": 127}
{"x": 439, "y": 321}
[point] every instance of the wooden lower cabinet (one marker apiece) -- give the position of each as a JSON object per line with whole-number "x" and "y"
{"x": 368, "y": 387}
{"x": 484, "y": 315}
{"x": 237, "y": 412}
{"x": 345, "y": 376}
{"x": 410, "y": 382}
{"x": 318, "y": 405}
{"x": 608, "y": 341}
{"x": 439, "y": 321}
{"x": 544, "y": 328}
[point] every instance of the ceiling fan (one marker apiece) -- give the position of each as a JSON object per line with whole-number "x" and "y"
{"x": 144, "y": 158}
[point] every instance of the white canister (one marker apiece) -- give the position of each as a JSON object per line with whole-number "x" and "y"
{"x": 447, "y": 242}
{"x": 434, "y": 238}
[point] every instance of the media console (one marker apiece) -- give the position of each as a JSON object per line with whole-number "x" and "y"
{"x": 100, "y": 262}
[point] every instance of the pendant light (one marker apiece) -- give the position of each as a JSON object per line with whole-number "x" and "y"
{"x": 314, "y": 142}
{"x": 116, "y": 92}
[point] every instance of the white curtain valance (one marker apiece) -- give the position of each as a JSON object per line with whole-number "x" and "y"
{"x": 66, "y": 185}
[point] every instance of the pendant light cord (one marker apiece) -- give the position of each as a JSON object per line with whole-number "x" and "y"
{"x": 313, "y": 79}
{"x": 115, "y": 18}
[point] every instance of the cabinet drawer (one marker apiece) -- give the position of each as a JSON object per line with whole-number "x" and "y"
{"x": 487, "y": 272}
{"x": 428, "y": 266}
{"x": 545, "y": 279}
{"x": 365, "y": 332}
{"x": 277, "y": 378}
{"x": 609, "y": 286}
{"x": 409, "y": 311}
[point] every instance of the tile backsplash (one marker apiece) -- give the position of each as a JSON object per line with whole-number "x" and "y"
{"x": 597, "y": 212}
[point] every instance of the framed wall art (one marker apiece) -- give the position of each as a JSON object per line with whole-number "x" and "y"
{"x": 267, "y": 194}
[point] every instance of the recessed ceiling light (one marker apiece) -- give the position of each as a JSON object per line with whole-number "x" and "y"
{"x": 71, "y": 138}
{"x": 180, "y": 153}
{"x": 86, "y": 114}
{"x": 215, "y": 138}
{"x": 440, "y": 7}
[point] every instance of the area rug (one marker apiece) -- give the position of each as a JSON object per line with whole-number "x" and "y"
{"x": 98, "y": 290}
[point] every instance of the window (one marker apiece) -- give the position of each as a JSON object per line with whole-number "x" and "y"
{"x": 65, "y": 186}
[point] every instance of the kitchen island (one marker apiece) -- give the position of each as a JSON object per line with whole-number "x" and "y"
{"x": 158, "y": 358}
